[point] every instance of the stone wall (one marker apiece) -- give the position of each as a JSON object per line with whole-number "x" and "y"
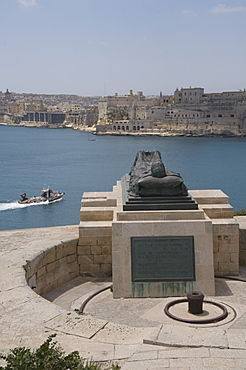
{"x": 226, "y": 247}
{"x": 242, "y": 239}
{"x": 242, "y": 244}
{"x": 225, "y": 230}
{"x": 95, "y": 249}
{"x": 95, "y": 232}
{"x": 53, "y": 267}
{"x": 180, "y": 126}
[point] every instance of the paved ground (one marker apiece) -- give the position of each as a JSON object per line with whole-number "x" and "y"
{"x": 136, "y": 333}
{"x": 166, "y": 343}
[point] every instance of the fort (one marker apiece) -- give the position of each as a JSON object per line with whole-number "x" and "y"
{"x": 189, "y": 111}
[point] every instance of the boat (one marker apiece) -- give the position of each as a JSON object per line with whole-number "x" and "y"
{"x": 47, "y": 196}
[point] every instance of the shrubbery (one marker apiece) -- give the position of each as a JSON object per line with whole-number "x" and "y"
{"x": 241, "y": 212}
{"x": 49, "y": 356}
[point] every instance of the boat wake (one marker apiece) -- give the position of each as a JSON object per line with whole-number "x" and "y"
{"x": 16, "y": 205}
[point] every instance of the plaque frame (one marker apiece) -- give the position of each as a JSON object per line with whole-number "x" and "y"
{"x": 151, "y": 250}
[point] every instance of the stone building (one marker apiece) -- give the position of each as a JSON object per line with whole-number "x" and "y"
{"x": 188, "y": 112}
{"x": 86, "y": 117}
{"x": 188, "y": 95}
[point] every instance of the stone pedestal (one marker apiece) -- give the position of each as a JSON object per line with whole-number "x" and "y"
{"x": 107, "y": 234}
{"x": 157, "y": 224}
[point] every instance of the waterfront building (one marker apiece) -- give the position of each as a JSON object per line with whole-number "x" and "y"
{"x": 189, "y": 111}
{"x": 53, "y": 118}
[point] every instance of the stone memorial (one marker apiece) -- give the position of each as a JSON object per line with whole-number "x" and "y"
{"x": 167, "y": 249}
{"x": 156, "y": 237}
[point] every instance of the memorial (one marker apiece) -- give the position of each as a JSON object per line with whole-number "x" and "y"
{"x": 167, "y": 248}
{"x": 156, "y": 237}
{"x": 151, "y": 186}
{"x": 149, "y": 177}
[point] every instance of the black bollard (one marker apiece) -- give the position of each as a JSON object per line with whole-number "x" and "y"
{"x": 195, "y": 301}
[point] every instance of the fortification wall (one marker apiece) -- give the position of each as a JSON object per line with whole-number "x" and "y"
{"x": 193, "y": 112}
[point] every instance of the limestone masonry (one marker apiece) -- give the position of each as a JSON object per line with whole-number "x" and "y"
{"x": 189, "y": 111}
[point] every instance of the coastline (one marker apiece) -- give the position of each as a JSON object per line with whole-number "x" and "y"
{"x": 55, "y": 126}
{"x": 92, "y": 129}
{"x": 164, "y": 134}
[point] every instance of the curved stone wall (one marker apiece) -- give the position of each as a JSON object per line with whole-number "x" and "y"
{"x": 242, "y": 239}
{"x": 53, "y": 267}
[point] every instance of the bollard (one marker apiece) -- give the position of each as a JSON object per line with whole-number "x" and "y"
{"x": 195, "y": 301}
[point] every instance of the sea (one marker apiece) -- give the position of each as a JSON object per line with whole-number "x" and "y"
{"x": 75, "y": 162}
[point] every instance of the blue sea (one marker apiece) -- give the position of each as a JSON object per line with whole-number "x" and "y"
{"x": 74, "y": 162}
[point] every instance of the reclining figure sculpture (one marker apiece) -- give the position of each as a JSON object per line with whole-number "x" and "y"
{"x": 149, "y": 177}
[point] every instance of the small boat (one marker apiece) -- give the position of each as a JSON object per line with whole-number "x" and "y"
{"x": 47, "y": 196}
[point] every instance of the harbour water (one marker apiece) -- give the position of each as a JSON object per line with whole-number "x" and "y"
{"x": 75, "y": 162}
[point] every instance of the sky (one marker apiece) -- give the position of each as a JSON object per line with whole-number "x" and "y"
{"x": 103, "y": 47}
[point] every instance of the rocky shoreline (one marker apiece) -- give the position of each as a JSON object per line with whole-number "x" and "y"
{"x": 92, "y": 129}
{"x": 165, "y": 134}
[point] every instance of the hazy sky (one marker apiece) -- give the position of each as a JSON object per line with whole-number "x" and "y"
{"x": 100, "y": 47}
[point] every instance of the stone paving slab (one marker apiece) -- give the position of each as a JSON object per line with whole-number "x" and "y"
{"x": 15, "y": 297}
{"x": 187, "y": 358}
{"x": 147, "y": 364}
{"x": 188, "y": 336}
{"x": 236, "y": 339}
{"x": 125, "y": 351}
{"x": 91, "y": 288}
{"x": 125, "y": 312}
{"x": 240, "y": 323}
{"x": 121, "y": 334}
{"x": 87, "y": 347}
{"x": 72, "y": 323}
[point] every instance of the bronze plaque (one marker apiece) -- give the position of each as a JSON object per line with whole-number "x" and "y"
{"x": 163, "y": 258}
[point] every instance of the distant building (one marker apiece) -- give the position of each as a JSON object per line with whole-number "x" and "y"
{"x": 44, "y": 117}
{"x": 188, "y": 95}
{"x": 189, "y": 111}
{"x": 7, "y": 94}
{"x": 87, "y": 117}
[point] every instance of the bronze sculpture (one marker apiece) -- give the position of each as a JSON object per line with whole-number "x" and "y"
{"x": 149, "y": 177}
